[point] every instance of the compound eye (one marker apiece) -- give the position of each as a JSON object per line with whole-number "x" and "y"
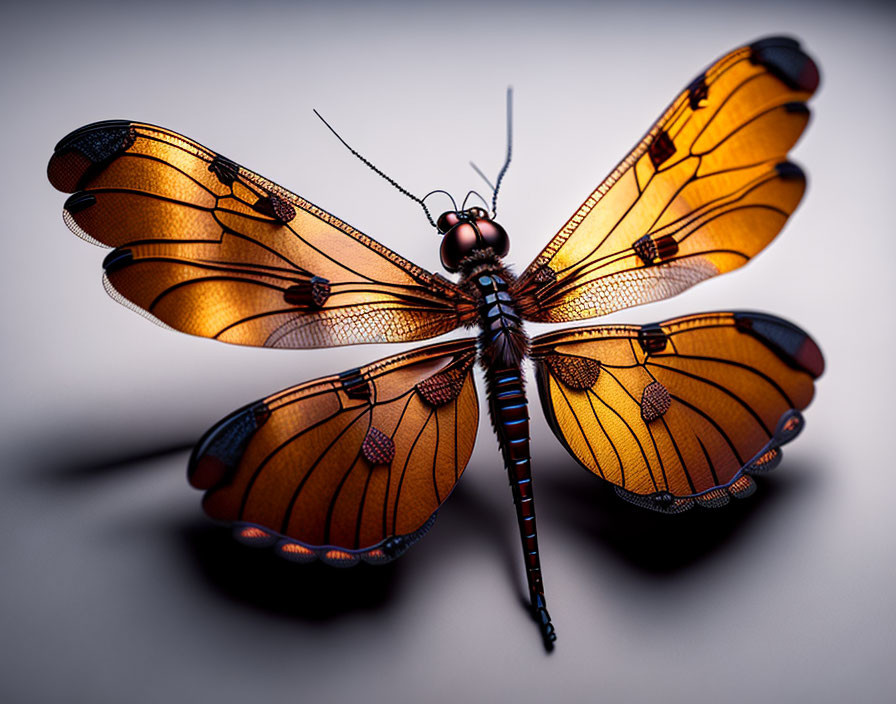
{"x": 447, "y": 220}
{"x": 477, "y": 213}
{"x": 494, "y": 236}
{"x": 459, "y": 242}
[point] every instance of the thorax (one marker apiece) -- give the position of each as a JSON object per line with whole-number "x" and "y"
{"x": 502, "y": 340}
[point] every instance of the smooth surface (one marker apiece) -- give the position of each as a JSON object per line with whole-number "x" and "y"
{"x": 115, "y": 587}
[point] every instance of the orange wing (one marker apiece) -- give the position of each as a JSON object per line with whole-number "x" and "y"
{"x": 210, "y": 248}
{"x": 346, "y": 467}
{"x": 705, "y": 190}
{"x": 682, "y": 410}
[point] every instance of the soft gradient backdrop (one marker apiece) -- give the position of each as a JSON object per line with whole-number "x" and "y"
{"x": 114, "y": 586}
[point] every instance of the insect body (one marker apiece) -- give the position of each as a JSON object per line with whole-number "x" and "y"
{"x": 354, "y": 466}
{"x": 502, "y": 347}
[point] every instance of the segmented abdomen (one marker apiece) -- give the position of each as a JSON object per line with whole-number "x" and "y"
{"x": 510, "y": 416}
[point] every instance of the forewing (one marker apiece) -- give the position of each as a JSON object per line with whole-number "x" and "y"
{"x": 680, "y": 410}
{"x": 208, "y": 247}
{"x": 705, "y": 190}
{"x": 347, "y": 467}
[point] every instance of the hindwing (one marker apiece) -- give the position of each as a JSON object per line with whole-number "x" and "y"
{"x": 347, "y": 467}
{"x": 680, "y": 410}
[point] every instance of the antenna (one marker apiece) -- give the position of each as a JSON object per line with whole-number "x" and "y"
{"x": 473, "y": 193}
{"x": 377, "y": 171}
{"x": 503, "y": 171}
{"x": 441, "y": 190}
{"x": 483, "y": 176}
{"x": 509, "y": 151}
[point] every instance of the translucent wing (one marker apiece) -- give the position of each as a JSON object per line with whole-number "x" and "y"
{"x": 705, "y": 190}
{"x": 346, "y": 467}
{"x": 680, "y": 410}
{"x": 213, "y": 249}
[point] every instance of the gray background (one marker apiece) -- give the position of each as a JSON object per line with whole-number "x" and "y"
{"x": 115, "y": 587}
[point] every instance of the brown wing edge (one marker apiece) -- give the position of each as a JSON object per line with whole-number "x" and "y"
{"x": 216, "y": 456}
{"x": 789, "y": 342}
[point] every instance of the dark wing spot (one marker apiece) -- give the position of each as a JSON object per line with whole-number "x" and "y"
{"x": 655, "y": 401}
{"x": 354, "y": 384}
{"x": 666, "y": 246}
{"x": 649, "y": 249}
{"x": 698, "y": 91}
{"x": 661, "y": 149}
{"x": 652, "y": 338}
{"x": 646, "y": 249}
{"x": 443, "y": 386}
{"x": 378, "y": 447}
{"x": 312, "y": 293}
{"x": 577, "y": 373}
{"x": 226, "y": 170}
{"x": 275, "y": 207}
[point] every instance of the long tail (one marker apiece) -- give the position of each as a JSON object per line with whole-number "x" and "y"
{"x": 510, "y": 416}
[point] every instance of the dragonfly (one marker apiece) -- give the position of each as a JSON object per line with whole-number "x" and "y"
{"x": 353, "y": 467}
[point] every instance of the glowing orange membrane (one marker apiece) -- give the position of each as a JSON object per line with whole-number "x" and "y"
{"x": 296, "y": 549}
{"x": 253, "y": 533}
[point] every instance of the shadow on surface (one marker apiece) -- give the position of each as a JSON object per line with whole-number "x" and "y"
{"x": 83, "y": 465}
{"x": 73, "y": 456}
{"x": 265, "y": 582}
{"x": 660, "y": 544}
{"x": 471, "y": 520}
{"x": 257, "y": 578}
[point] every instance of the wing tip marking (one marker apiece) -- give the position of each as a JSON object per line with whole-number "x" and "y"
{"x": 793, "y": 345}
{"x": 117, "y": 260}
{"x": 218, "y": 453}
{"x": 789, "y": 171}
{"x": 83, "y": 151}
{"x": 79, "y": 201}
{"x": 785, "y": 59}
